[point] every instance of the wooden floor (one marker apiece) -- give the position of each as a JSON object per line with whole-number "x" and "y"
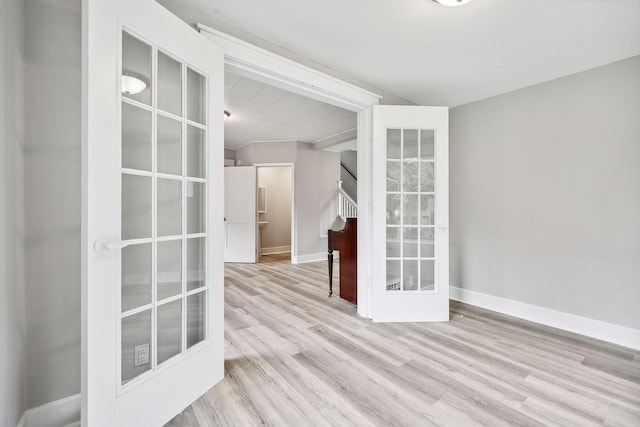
{"x": 295, "y": 357}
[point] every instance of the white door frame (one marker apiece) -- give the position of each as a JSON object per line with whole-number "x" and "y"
{"x": 259, "y": 64}
{"x": 294, "y": 229}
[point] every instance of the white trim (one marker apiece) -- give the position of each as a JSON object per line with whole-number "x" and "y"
{"x": 275, "y": 250}
{"x": 280, "y": 71}
{"x": 303, "y": 259}
{"x": 259, "y": 64}
{"x": 63, "y": 412}
{"x": 609, "y": 332}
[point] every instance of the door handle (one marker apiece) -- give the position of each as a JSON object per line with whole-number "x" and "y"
{"x": 443, "y": 227}
{"x": 102, "y": 246}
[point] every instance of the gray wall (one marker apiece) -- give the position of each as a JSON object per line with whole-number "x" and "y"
{"x": 52, "y": 199}
{"x": 277, "y": 181}
{"x": 12, "y": 237}
{"x": 545, "y": 194}
{"x": 315, "y": 176}
{"x": 229, "y": 154}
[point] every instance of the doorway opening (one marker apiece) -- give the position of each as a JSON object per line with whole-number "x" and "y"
{"x": 275, "y": 205}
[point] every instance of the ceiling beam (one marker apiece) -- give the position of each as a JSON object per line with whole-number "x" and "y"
{"x": 331, "y": 141}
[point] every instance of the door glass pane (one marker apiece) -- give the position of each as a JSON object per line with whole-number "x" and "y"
{"x": 195, "y": 207}
{"x": 196, "y": 316}
{"x": 410, "y": 275}
{"x": 136, "y": 137}
{"x": 169, "y": 146}
{"x": 196, "y": 95}
{"x": 169, "y": 207}
{"x": 427, "y": 243}
{"x": 410, "y": 176}
{"x": 393, "y": 176}
{"x": 427, "y": 214}
{"x": 426, "y": 177}
{"x": 409, "y": 242}
{"x": 427, "y": 275}
{"x": 169, "y": 268}
{"x": 427, "y": 144}
{"x": 169, "y": 330}
{"x": 136, "y": 207}
{"x": 393, "y": 275}
{"x": 410, "y": 144}
{"x": 394, "y": 144}
{"x": 136, "y": 332}
{"x": 136, "y": 276}
{"x": 196, "y": 152}
{"x": 410, "y": 209}
{"x": 195, "y": 263}
{"x": 393, "y": 242}
{"x": 136, "y": 69}
{"x": 393, "y": 209}
{"x": 169, "y": 84}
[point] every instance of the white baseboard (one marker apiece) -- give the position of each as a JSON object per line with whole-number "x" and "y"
{"x": 302, "y": 259}
{"x": 275, "y": 250}
{"x": 609, "y": 332}
{"x": 63, "y": 412}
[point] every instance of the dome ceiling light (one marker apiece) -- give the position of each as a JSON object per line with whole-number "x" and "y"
{"x": 133, "y": 83}
{"x": 452, "y": 2}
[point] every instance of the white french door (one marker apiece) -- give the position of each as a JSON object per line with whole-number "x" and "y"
{"x": 411, "y": 214}
{"x": 240, "y": 213}
{"x": 152, "y": 304}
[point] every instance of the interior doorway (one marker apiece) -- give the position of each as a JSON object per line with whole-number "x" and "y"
{"x": 275, "y": 206}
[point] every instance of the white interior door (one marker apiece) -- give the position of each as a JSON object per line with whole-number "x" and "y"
{"x": 240, "y": 214}
{"x": 411, "y": 214}
{"x": 152, "y": 303}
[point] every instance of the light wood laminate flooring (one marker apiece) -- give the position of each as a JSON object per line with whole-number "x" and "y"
{"x": 295, "y": 357}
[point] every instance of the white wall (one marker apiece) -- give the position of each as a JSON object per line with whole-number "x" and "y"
{"x": 315, "y": 176}
{"x": 277, "y": 180}
{"x": 12, "y": 230}
{"x": 52, "y": 199}
{"x": 545, "y": 195}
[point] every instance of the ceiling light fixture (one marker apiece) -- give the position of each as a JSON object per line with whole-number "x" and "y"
{"x": 452, "y": 2}
{"x": 226, "y": 114}
{"x": 133, "y": 83}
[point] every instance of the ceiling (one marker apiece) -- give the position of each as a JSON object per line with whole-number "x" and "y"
{"x": 265, "y": 113}
{"x": 413, "y": 51}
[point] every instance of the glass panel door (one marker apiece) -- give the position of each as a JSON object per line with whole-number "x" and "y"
{"x": 410, "y": 215}
{"x": 164, "y": 183}
{"x": 152, "y": 217}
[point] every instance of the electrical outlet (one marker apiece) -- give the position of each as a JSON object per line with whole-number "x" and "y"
{"x": 141, "y": 354}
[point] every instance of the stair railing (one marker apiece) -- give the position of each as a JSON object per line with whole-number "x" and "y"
{"x": 347, "y": 207}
